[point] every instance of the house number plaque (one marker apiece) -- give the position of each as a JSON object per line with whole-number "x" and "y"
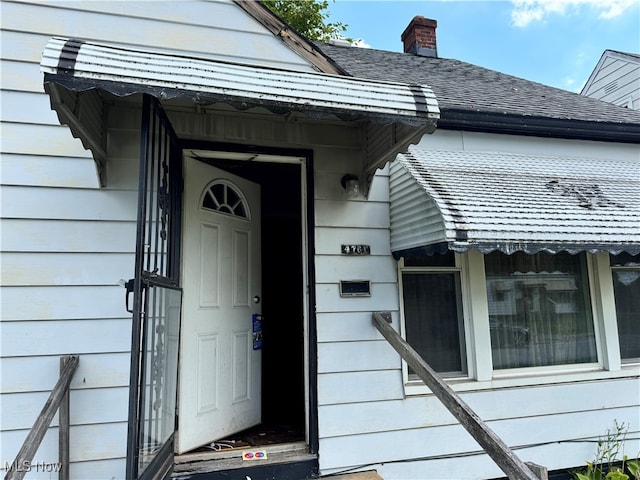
{"x": 355, "y": 249}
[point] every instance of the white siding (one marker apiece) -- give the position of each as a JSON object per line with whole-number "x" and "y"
{"x": 616, "y": 79}
{"x": 65, "y": 242}
{"x": 365, "y": 417}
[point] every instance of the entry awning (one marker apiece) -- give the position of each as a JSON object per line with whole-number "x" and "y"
{"x": 397, "y": 112}
{"x": 451, "y": 200}
{"x": 125, "y": 72}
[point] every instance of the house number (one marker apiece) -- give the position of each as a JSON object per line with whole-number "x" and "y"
{"x": 355, "y": 250}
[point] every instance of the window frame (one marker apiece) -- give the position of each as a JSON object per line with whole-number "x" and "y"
{"x": 465, "y": 323}
{"x": 480, "y": 373}
{"x": 611, "y": 269}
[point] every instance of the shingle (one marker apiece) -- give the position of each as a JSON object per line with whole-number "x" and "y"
{"x": 461, "y": 86}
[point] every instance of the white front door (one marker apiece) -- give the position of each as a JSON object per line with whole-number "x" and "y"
{"x": 220, "y": 370}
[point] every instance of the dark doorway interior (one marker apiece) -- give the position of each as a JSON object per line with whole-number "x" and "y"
{"x": 283, "y": 402}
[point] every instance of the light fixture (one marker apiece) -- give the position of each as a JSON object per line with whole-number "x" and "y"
{"x": 351, "y": 185}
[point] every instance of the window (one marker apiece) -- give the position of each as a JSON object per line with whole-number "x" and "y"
{"x": 539, "y": 310}
{"x": 510, "y": 320}
{"x": 432, "y": 308}
{"x": 625, "y": 269}
{"x": 222, "y": 197}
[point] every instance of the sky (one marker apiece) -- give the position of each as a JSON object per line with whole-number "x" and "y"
{"x": 554, "y": 42}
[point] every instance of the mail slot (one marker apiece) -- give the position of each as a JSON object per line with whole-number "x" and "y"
{"x": 355, "y": 288}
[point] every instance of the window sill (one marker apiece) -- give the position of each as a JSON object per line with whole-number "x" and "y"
{"x": 530, "y": 377}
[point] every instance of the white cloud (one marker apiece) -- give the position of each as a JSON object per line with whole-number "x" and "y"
{"x": 526, "y": 11}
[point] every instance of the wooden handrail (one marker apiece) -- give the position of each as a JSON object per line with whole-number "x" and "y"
{"x": 36, "y": 434}
{"x": 501, "y": 454}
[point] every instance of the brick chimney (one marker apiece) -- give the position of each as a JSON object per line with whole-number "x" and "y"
{"x": 419, "y": 37}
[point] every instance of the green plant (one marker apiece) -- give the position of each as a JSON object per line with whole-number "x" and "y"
{"x": 607, "y": 453}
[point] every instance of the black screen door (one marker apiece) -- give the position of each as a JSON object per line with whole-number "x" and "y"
{"x": 156, "y": 299}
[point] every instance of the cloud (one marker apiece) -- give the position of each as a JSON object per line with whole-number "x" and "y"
{"x": 526, "y": 11}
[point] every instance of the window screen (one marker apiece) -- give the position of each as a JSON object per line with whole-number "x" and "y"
{"x": 433, "y": 318}
{"x": 626, "y": 286}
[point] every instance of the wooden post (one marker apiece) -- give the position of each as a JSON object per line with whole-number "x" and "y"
{"x": 504, "y": 457}
{"x": 37, "y": 432}
{"x": 63, "y": 428}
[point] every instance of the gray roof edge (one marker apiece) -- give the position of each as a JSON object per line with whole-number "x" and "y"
{"x": 538, "y": 126}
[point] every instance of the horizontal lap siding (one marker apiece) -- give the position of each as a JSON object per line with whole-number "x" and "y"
{"x": 406, "y": 431}
{"x": 66, "y": 243}
{"x": 366, "y": 421}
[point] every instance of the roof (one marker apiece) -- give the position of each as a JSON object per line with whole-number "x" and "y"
{"x": 80, "y": 65}
{"x": 509, "y": 202}
{"x": 478, "y": 98}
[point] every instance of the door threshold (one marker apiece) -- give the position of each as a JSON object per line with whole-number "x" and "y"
{"x": 209, "y": 465}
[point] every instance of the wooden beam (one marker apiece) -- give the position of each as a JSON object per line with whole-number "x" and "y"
{"x": 37, "y": 432}
{"x": 501, "y": 454}
{"x": 63, "y": 428}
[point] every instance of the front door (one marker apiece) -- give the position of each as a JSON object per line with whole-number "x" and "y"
{"x": 220, "y": 356}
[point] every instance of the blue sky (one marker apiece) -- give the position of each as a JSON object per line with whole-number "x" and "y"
{"x": 555, "y": 42}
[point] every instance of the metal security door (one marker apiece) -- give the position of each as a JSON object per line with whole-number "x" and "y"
{"x": 156, "y": 300}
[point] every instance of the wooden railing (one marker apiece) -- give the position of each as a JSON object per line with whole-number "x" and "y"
{"x": 493, "y": 445}
{"x": 58, "y": 400}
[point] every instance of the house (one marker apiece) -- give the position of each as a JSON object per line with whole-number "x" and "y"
{"x": 238, "y": 201}
{"x": 616, "y": 79}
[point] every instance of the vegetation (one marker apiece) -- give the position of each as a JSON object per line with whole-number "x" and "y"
{"x": 308, "y": 17}
{"x": 606, "y": 464}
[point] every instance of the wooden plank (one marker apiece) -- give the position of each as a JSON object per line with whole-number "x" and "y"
{"x": 37, "y": 432}
{"x": 27, "y": 235}
{"x": 384, "y": 296}
{"x": 57, "y": 337}
{"x": 34, "y": 374}
{"x": 552, "y": 409}
{"x": 62, "y": 269}
{"x": 59, "y": 303}
{"x": 373, "y": 386}
{"x": 89, "y": 406}
{"x": 47, "y": 171}
{"x": 356, "y": 357}
{"x": 345, "y": 327}
{"x": 189, "y": 31}
{"x": 376, "y": 268}
{"x": 53, "y": 140}
{"x": 63, "y": 428}
{"x": 508, "y": 462}
{"x": 334, "y": 213}
{"x": 68, "y": 203}
{"x": 329, "y": 239}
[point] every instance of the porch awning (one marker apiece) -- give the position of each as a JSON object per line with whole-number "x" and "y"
{"x": 125, "y": 72}
{"x": 446, "y": 200}
{"x": 394, "y": 114}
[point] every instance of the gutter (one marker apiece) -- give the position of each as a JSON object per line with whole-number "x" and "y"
{"x": 490, "y": 122}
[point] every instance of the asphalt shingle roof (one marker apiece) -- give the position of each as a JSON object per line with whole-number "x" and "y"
{"x": 461, "y": 86}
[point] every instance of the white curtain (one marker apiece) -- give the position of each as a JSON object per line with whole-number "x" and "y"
{"x": 539, "y": 310}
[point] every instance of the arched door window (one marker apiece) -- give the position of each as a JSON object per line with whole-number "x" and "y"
{"x": 223, "y": 197}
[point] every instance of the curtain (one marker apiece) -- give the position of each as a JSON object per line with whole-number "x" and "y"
{"x": 539, "y": 310}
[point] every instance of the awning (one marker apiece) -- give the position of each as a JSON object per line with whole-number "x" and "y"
{"x": 395, "y": 114}
{"x": 461, "y": 200}
{"x": 125, "y": 72}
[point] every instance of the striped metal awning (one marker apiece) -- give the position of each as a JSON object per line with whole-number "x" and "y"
{"x": 79, "y": 65}
{"x": 462, "y": 200}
